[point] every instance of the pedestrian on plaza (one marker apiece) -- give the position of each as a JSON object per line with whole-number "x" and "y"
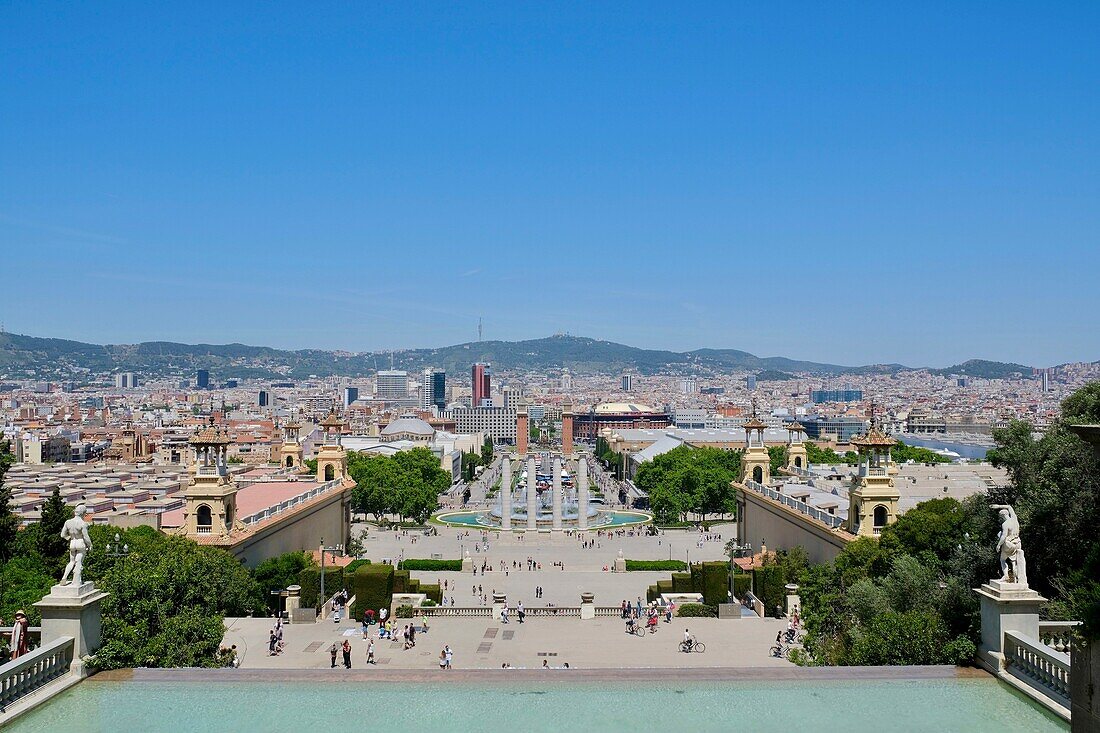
{"x": 370, "y": 651}
{"x": 272, "y": 642}
{"x": 332, "y": 652}
{"x": 442, "y": 659}
{"x": 347, "y": 653}
{"x": 519, "y": 611}
{"x": 382, "y": 613}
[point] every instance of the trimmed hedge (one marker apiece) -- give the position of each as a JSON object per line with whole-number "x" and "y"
{"x": 310, "y": 580}
{"x": 741, "y": 585}
{"x": 354, "y": 565}
{"x": 697, "y": 610}
{"x": 681, "y": 583}
{"x": 433, "y": 591}
{"x": 664, "y": 587}
{"x": 433, "y": 565}
{"x": 715, "y": 582}
{"x": 652, "y": 594}
{"x": 651, "y": 565}
{"x": 372, "y": 586}
{"x": 769, "y": 587}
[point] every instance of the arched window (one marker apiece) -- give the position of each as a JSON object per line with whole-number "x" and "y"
{"x": 758, "y": 475}
{"x": 203, "y": 518}
{"x": 290, "y": 461}
{"x": 880, "y": 516}
{"x": 330, "y": 472}
{"x": 798, "y": 461}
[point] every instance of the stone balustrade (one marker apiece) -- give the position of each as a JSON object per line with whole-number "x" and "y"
{"x": 830, "y": 520}
{"x": 1039, "y": 665}
{"x": 487, "y": 611}
{"x": 35, "y": 669}
{"x": 1058, "y": 635}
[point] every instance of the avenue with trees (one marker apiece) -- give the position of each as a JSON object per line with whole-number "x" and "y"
{"x": 688, "y": 480}
{"x": 406, "y": 484}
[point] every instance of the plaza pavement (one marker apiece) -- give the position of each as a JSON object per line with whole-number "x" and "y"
{"x": 480, "y": 642}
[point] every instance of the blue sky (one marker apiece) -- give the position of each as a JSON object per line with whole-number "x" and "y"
{"x": 843, "y": 182}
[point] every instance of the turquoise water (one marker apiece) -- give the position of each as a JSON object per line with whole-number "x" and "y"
{"x": 942, "y": 706}
{"x": 480, "y": 520}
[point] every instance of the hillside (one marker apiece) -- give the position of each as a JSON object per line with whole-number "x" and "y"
{"x": 29, "y": 357}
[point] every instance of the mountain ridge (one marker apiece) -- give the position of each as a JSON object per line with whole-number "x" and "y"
{"x": 40, "y": 357}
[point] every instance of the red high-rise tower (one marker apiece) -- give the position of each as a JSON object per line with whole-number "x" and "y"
{"x": 482, "y": 388}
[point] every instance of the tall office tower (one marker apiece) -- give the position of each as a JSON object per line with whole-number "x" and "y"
{"x": 392, "y": 384}
{"x": 688, "y": 385}
{"x": 566, "y": 381}
{"x": 750, "y": 382}
{"x": 263, "y": 399}
{"x": 482, "y": 386}
{"x": 628, "y": 383}
{"x": 1046, "y": 380}
{"x": 121, "y": 382}
{"x": 202, "y": 379}
{"x": 351, "y": 394}
{"x": 433, "y": 389}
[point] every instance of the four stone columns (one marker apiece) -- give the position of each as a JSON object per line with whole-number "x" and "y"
{"x": 532, "y": 496}
{"x": 506, "y": 495}
{"x": 556, "y": 500}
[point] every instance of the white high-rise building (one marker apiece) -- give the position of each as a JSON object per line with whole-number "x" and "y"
{"x": 392, "y": 384}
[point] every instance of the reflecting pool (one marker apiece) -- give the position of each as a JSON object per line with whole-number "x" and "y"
{"x": 554, "y": 704}
{"x": 486, "y": 520}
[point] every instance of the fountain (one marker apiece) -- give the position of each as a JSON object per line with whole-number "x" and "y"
{"x": 545, "y": 496}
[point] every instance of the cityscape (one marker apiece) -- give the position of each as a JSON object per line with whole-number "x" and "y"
{"x": 470, "y": 368}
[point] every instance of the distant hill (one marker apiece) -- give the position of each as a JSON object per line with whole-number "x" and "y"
{"x": 30, "y": 357}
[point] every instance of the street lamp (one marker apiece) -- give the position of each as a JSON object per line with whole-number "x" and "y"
{"x": 120, "y": 550}
{"x": 334, "y": 550}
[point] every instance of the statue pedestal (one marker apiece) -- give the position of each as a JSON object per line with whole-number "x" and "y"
{"x": 620, "y": 564}
{"x": 1005, "y": 607}
{"x": 500, "y": 602}
{"x": 467, "y": 564}
{"x": 71, "y": 610}
{"x": 588, "y": 607}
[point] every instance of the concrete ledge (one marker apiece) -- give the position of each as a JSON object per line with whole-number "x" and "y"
{"x": 42, "y": 695}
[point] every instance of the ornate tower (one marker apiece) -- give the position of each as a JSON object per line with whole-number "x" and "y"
{"x": 290, "y": 455}
{"x": 211, "y": 498}
{"x": 756, "y": 464}
{"x": 567, "y": 430}
{"x": 797, "y": 459}
{"x": 332, "y": 459}
{"x": 523, "y": 431}
{"x": 873, "y": 498}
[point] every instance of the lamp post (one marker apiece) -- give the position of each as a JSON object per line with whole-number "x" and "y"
{"x": 120, "y": 550}
{"x": 334, "y": 550}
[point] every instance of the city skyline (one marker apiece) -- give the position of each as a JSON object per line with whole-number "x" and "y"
{"x": 851, "y": 185}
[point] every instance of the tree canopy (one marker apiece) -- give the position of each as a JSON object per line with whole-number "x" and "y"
{"x": 687, "y": 479}
{"x": 407, "y": 484}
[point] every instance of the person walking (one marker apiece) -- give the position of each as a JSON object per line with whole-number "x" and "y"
{"x": 347, "y": 654}
{"x": 449, "y": 653}
{"x": 370, "y": 651}
{"x": 332, "y": 652}
{"x": 519, "y": 611}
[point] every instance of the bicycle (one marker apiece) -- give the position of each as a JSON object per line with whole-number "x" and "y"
{"x": 781, "y": 651}
{"x": 688, "y": 646}
{"x": 636, "y": 630}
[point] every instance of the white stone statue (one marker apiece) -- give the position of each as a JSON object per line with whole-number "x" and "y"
{"x": 76, "y": 532}
{"x": 1010, "y": 548}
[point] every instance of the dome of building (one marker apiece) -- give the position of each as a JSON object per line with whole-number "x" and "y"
{"x": 620, "y": 408}
{"x": 408, "y": 427}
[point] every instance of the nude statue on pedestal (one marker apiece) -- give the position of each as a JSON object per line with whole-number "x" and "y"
{"x": 75, "y": 531}
{"x": 1010, "y": 548}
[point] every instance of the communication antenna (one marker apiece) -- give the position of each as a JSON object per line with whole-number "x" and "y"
{"x": 479, "y": 329}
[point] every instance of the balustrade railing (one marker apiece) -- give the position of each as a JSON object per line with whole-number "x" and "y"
{"x": 292, "y": 502}
{"x": 830, "y": 520}
{"x": 487, "y": 611}
{"x": 35, "y": 669}
{"x": 1058, "y": 635}
{"x": 1038, "y": 665}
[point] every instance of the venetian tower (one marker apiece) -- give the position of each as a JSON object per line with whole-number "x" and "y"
{"x": 332, "y": 459}
{"x": 756, "y": 464}
{"x": 797, "y": 458}
{"x": 873, "y": 498}
{"x": 211, "y": 497}
{"x": 290, "y": 454}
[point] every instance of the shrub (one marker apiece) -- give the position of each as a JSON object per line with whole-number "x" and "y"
{"x": 372, "y": 586}
{"x": 652, "y": 594}
{"x": 715, "y": 585}
{"x": 401, "y": 581}
{"x": 960, "y": 651}
{"x": 404, "y": 611}
{"x": 769, "y": 587}
{"x": 310, "y": 580}
{"x": 681, "y": 583}
{"x": 651, "y": 565}
{"x": 431, "y": 565}
{"x": 664, "y": 586}
{"x": 741, "y": 585}
{"x": 433, "y": 591}
{"x": 355, "y": 565}
{"x": 699, "y": 610}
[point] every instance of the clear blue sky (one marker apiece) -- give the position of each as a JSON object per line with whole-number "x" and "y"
{"x": 844, "y": 182}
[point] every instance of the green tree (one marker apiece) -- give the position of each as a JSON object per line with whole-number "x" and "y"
{"x": 276, "y": 573}
{"x": 51, "y": 545}
{"x": 487, "y": 451}
{"x": 687, "y": 479}
{"x": 9, "y": 523}
{"x": 778, "y": 456}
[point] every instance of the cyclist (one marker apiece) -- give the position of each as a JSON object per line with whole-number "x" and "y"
{"x": 631, "y": 622}
{"x": 688, "y": 642}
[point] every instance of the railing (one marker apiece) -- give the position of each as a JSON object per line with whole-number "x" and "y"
{"x": 1038, "y": 665}
{"x": 34, "y": 670}
{"x": 487, "y": 611}
{"x": 830, "y": 520}
{"x": 757, "y": 604}
{"x": 1058, "y": 635}
{"x": 292, "y": 502}
{"x": 327, "y": 608}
